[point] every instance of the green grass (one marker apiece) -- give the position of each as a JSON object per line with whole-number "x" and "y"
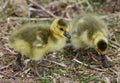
{"x": 117, "y": 36}
{"x": 45, "y": 79}
{"x": 90, "y": 78}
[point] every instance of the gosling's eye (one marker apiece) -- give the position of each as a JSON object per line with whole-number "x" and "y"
{"x": 61, "y": 29}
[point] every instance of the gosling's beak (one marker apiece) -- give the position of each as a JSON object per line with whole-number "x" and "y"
{"x": 100, "y": 52}
{"x": 66, "y": 34}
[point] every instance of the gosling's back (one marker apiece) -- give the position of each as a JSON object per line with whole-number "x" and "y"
{"x": 83, "y": 27}
{"x": 28, "y": 33}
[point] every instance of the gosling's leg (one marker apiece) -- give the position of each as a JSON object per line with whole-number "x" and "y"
{"x": 105, "y": 62}
{"x": 18, "y": 65}
{"x": 35, "y": 68}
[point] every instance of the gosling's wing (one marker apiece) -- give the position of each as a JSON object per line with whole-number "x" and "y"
{"x": 41, "y": 38}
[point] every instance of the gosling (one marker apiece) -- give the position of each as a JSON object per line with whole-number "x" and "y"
{"x": 90, "y": 30}
{"x": 38, "y": 39}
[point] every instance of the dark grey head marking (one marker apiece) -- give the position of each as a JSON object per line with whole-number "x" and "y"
{"x": 62, "y": 22}
{"x": 102, "y": 45}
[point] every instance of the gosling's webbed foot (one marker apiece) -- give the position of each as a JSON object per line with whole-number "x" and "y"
{"x": 17, "y": 68}
{"x": 18, "y": 65}
{"x": 105, "y": 62}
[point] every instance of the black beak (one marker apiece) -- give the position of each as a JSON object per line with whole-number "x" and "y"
{"x": 66, "y": 34}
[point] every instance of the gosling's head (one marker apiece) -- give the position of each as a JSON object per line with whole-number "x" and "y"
{"x": 60, "y": 28}
{"x": 101, "y": 44}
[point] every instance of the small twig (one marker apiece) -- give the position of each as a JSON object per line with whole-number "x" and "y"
{"x": 6, "y": 66}
{"x": 32, "y": 19}
{"x": 73, "y": 62}
{"x": 87, "y": 65}
{"x": 60, "y": 64}
{"x": 7, "y": 75}
{"x": 114, "y": 46}
{"x": 94, "y": 59}
{"x": 16, "y": 74}
{"x": 35, "y": 10}
{"x": 106, "y": 16}
{"x": 107, "y": 80}
{"x": 8, "y": 49}
{"x": 109, "y": 59}
{"x": 39, "y": 6}
{"x": 115, "y": 43}
{"x": 5, "y": 4}
{"x": 26, "y": 71}
{"x": 0, "y": 9}
{"x": 117, "y": 73}
{"x": 117, "y": 30}
{"x": 89, "y": 5}
{"x": 76, "y": 55}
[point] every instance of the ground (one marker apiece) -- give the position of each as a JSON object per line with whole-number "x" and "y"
{"x": 63, "y": 66}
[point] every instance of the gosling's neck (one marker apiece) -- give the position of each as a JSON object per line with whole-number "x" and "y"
{"x": 55, "y": 34}
{"x": 54, "y": 38}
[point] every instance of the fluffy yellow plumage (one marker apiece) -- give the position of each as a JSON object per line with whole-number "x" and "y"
{"x": 38, "y": 39}
{"x": 89, "y": 30}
